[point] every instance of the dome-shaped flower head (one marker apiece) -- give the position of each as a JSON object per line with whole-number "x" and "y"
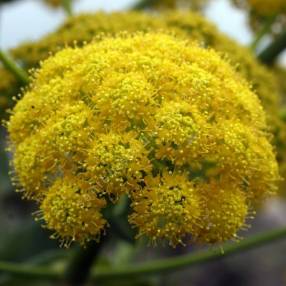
{"x": 84, "y": 28}
{"x": 162, "y": 120}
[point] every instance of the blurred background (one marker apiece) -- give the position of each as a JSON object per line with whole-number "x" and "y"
{"x": 22, "y": 239}
{"x": 35, "y": 20}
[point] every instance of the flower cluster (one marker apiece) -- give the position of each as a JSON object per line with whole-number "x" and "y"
{"x": 84, "y": 28}
{"x": 263, "y": 82}
{"x": 157, "y": 118}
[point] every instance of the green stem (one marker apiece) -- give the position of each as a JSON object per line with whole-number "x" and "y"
{"x": 172, "y": 264}
{"x": 118, "y": 222}
{"x": 265, "y": 29}
{"x": 77, "y": 272}
{"x": 16, "y": 70}
{"x": 153, "y": 267}
{"x": 270, "y": 53}
{"x": 67, "y": 5}
{"x": 43, "y": 258}
{"x": 30, "y": 271}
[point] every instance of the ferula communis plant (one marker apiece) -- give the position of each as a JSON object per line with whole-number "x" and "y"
{"x": 151, "y": 116}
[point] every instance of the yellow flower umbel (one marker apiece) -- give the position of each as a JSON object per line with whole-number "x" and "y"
{"x": 159, "y": 119}
{"x": 85, "y": 27}
{"x": 73, "y": 211}
{"x": 262, "y": 80}
{"x": 168, "y": 207}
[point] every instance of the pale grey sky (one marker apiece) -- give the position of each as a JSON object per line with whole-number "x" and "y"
{"x": 30, "y": 19}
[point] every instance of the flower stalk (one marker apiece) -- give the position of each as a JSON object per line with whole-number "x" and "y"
{"x": 67, "y": 5}
{"x": 15, "y": 69}
{"x": 265, "y": 29}
{"x": 153, "y": 267}
{"x": 78, "y": 270}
